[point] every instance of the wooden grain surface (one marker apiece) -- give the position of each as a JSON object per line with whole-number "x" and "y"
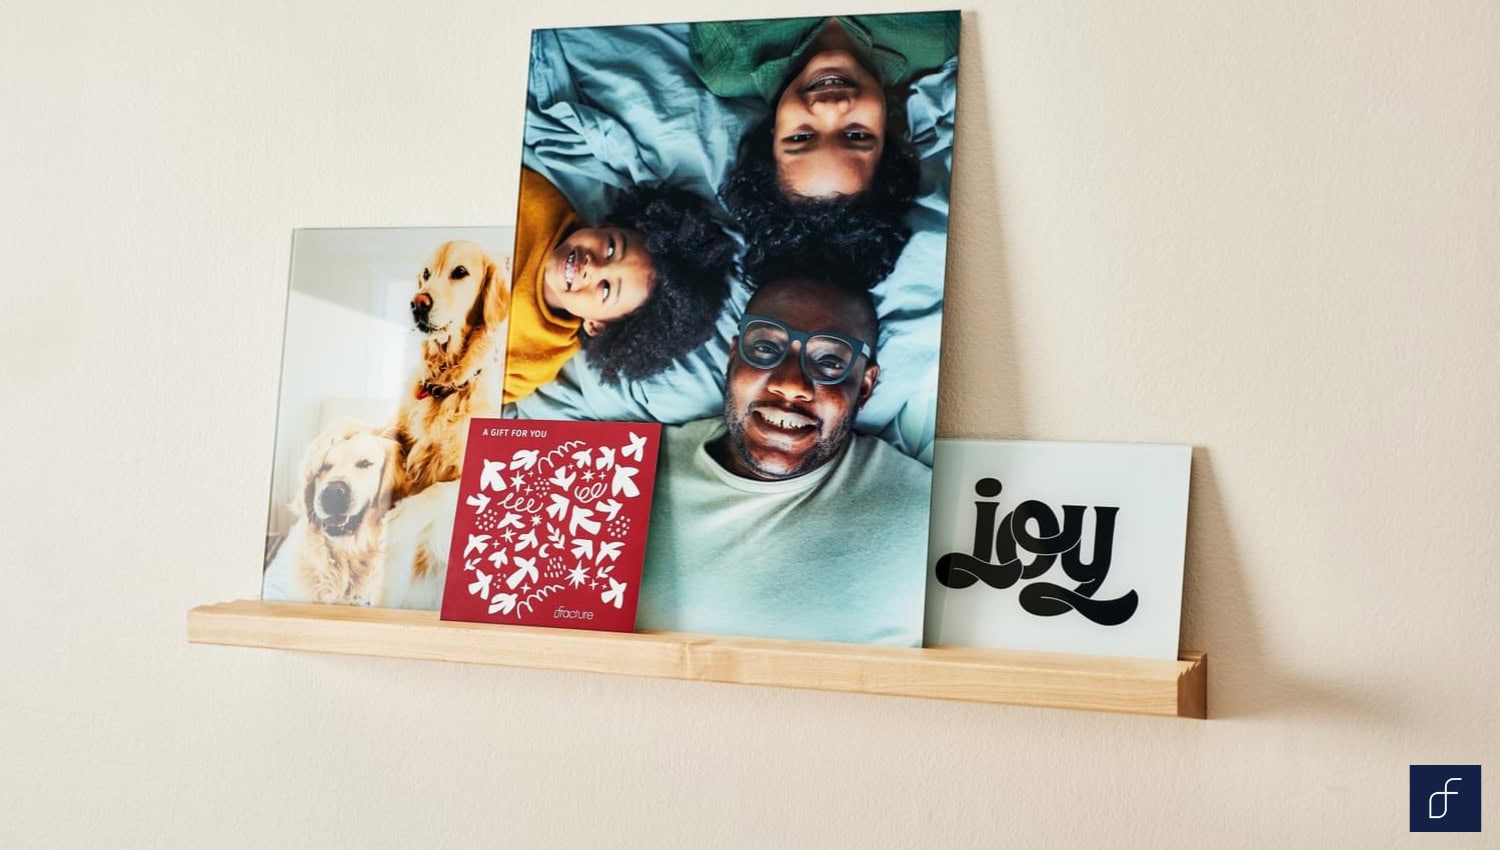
{"x": 1139, "y": 686}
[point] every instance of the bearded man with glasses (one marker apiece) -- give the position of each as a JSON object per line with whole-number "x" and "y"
{"x": 778, "y": 520}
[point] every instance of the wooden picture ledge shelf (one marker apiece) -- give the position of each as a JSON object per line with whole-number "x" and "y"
{"x": 1170, "y": 688}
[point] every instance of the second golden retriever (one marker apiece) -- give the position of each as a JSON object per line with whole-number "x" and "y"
{"x": 351, "y": 476}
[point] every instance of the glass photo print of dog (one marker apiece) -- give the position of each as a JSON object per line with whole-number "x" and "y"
{"x": 395, "y": 338}
{"x": 738, "y": 230}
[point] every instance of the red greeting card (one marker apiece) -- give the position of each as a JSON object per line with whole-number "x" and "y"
{"x": 551, "y": 525}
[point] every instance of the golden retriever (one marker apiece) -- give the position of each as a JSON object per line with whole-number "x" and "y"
{"x": 461, "y": 302}
{"x": 351, "y": 475}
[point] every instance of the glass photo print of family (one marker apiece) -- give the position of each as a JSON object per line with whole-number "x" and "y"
{"x": 738, "y": 229}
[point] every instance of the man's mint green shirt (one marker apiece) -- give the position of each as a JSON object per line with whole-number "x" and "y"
{"x": 839, "y": 554}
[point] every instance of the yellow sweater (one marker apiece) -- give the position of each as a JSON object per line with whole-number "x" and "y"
{"x": 541, "y": 340}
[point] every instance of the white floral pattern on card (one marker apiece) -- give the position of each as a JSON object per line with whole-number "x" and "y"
{"x": 547, "y": 523}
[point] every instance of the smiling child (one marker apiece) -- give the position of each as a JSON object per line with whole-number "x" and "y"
{"x": 638, "y": 291}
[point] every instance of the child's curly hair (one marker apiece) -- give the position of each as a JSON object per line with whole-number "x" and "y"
{"x": 692, "y": 258}
{"x": 859, "y": 236}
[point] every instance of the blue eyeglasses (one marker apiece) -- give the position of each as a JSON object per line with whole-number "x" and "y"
{"x": 827, "y": 356}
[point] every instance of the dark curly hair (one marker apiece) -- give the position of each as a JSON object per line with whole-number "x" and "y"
{"x": 692, "y": 258}
{"x": 855, "y": 238}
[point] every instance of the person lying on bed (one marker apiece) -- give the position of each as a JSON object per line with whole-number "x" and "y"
{"x": 638, "y": 290}
{"x": 832, "y": 161}
{"x": 776, "y": 519}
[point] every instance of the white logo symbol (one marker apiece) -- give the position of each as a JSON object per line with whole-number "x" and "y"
{"x": 1445, "y": 794}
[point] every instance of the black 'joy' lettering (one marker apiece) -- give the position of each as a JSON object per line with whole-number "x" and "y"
{"x": 996, "y": 557}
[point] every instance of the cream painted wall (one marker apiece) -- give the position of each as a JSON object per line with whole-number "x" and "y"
{"x": 1268, "y": 229}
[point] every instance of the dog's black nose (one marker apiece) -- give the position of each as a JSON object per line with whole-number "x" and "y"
{"x": 421, "y": 305}
{"x": 335, "y": 499}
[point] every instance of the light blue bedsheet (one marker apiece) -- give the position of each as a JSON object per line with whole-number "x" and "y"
{"x": 608, "y": 108}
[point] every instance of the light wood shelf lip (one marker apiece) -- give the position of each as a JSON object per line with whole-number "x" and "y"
{"x": 1138, "y": 686}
